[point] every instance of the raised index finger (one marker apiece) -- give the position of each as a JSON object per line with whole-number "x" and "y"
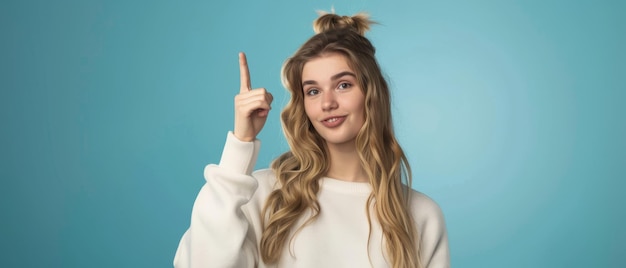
{"x": 244, "y": 73}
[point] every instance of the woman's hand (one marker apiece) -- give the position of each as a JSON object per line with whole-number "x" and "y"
{"x": 251, "y": 105}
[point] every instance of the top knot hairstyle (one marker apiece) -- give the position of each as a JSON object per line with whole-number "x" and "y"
{"x": 359, "y": 23}
{"x": 294, "y": 204}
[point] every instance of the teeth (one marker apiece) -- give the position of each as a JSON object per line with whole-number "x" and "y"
{"x": 332, "y": 120}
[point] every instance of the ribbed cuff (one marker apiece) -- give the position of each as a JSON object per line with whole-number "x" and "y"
{"x": 239, "y": 156}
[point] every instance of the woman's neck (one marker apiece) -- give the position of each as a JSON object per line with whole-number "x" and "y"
{"x": 345, "y": 164}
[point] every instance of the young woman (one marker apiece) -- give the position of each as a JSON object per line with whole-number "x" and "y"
{"x": 341, "y": 196}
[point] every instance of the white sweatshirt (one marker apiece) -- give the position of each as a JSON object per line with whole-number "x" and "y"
{"x": 225, "y": 228}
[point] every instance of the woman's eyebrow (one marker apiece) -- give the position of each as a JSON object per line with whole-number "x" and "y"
{"x": 334, "y": 77}
{"x": 309, "y": 82}
{"x": 342, "y": 74}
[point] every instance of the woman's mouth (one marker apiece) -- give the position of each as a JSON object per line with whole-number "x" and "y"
{"x": 332, "y": 122}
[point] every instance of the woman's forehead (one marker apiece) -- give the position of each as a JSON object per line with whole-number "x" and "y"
{"x": 325, "y": 67}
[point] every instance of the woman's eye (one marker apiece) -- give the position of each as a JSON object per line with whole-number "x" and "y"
{"x": 344, "y": 85}
{"x": 312, "y": 92}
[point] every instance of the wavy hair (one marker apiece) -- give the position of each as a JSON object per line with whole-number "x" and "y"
{"x": 299, "y": 170}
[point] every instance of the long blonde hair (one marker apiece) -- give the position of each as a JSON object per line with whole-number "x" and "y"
{"x": 298, "y": 171}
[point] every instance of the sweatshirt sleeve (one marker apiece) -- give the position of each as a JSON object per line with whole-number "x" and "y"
{"x": 220, "y": 235}
{"x": 434, "y": 249}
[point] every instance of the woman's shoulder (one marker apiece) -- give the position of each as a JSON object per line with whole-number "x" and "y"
{"x": 266, "y": 179}
{"x": 424, "y": 209}
{"x": 431, "y": 228}
{"x": 266, "y": 174}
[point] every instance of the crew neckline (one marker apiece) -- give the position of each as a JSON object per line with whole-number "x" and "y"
{"x": 349, "y": 187}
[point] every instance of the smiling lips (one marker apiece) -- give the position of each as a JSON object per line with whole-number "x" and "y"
{"x": 334, "y": 121}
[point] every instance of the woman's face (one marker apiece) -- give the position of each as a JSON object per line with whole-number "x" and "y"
{"x": 333, "y": 100}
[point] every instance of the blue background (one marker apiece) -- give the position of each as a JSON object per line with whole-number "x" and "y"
{"x": 511, "y": 112}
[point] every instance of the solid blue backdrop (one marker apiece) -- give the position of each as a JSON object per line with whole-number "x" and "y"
{"x": 511, "y": 113}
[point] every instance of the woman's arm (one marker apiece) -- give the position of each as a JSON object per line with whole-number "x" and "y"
{"x": 220, "y": 233}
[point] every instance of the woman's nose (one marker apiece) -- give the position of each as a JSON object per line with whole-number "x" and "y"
{"x": 329, "y": 101}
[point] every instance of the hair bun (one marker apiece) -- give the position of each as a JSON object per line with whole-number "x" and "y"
{"x": 359, "y": 23}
